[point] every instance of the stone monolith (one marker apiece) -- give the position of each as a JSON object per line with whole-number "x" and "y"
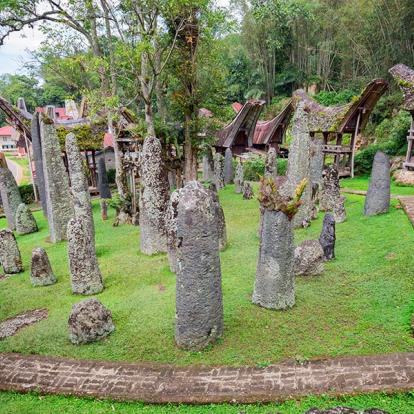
{"x": 247, "y": 190}
{"x": 25, "y": 221}
{"x": 103, "y": 184}
{"x": 328, "y": 237}
{"x": 10, "y": 196}
{"x": 228, "y": 167}
{"x": 330, "y": 198}
{"x": 208, "y": 165}
{"x": 218, "y": 170}
{"x": 271, "y": 163}
{"x": 239, "y": 178}
{"x": 309, "y": 259}
{"x": 10, "y": 257}
{"x": 41, "y": 273}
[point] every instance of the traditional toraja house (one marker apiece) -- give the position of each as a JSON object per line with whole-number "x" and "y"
{"x": 333, "y": 122}
{"x": 238, "y": 135}
{"x": 404, "y": 76}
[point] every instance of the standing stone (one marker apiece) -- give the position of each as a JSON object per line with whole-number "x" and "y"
{"x": 38, "y": 162}
{"x": 228, "y": 167}
{"x": 220, "y": 220}
{"x": 309, "y": 258}
{"x": 299, "y": 166}
{"x": 274, "y": 287}
{"x": 104, "y": 209}
{"x": 239, "y": 178}
{"x": 172, "y": 180}
{"x": 330, "y": 198}
{"x": 199, "y": 306}
{"x": 208, "y": 165}
{"x": 58, "y": 200}
{"x": 41, "y": 271}
{"x": 218, "y": 170}
{"x": 316, "y": 168}
{"x": 377, "y": 200}
{"x": 154, "y": 198}
{"x": 103, "y": 184}
{"x": 328, "y": 237}
{"x": 89, "y": 321}
{"x": 25, "y": 222}
{"x": 247, "y": 190}
{"x": 271, "y": 164}
{"x": 86, "y": 278}
{"x": 10, "y": 257}
{"x": 10, "y": 196}
{"x": 171, "y": 224}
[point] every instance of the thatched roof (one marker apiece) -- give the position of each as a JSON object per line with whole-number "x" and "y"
{"x": 404, "y": 76}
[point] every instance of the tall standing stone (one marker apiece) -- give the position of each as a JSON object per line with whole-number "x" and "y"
{"x": 171, "y": 224}
{"x": 330, "y": 198}
{"x": 10, "y": 257}
{"x": 25, "y": 222}
{"x": 328, "y": 237}
{"x": 271, "y": 163}
{"x": 199, "y": 306}
{"x": 208, "y": 165}
{"x": 41, "y": 271}
{"x": 218, "y": 170}
{"x": 103, "y": 184}
{"x": 58, "y": 200}
{"x": 377, "y": 200}
{"x": 239, "y": 178}
{"x": 228, "y": 167}
{"x": 10, "y": 196}
{"x": 316, "y": 167}
{"x": 153, "y": 199}
{"x": 220, "y": 220}
{"x": 247, "y": 191}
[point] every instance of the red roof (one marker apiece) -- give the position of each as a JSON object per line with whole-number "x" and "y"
{"x": 6, "y": 131}
{"x": 108, "y": 140}
{"x": 60, "y": 112}
{"x": 236, "y": 107}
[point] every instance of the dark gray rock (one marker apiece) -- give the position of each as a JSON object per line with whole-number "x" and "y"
{"x": 86, "y": 278}
{"x": 10, "y": 257}
{"x": 41, "y": 270}
{"x": 25, "y": 222}
{"x": 218, "y": 170}
{"x": 377, "y": 200}
{"x": 330, "y": 198}
{"x": 220, "y": 220}
{"x": 239, "y": 178}
{"x": 103, "y": 184}
{"x": 89, "y": 321}
{"x": 104, "y": 209}
{"x": 309, "y": 259}
{"x": 328, "y": 237}
{"x": 10, "y": 196}
{"x": 228, "y": 167}
{"x": 208, "y": 165}
{"x": 171, "y": 224}
{"x": 316, "y": 170}
{"x": 153, "y": 198}
{"x": 247, "y": 191}
{"x": 274, "y": 287}
{"x": 271, "y": 164}
{"x": 172, "y": 179}
{"x": 199, "y": 306}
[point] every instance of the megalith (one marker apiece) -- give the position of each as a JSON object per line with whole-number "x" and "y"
{"x": 25, "y": 222}
{"x": 103, "y": 184}
{"x": 58, "y": 200}
{"x": 208, "y": 165}
{"x": 330, "y": 198}
{"x": 228, "y": 167}
{"x": 377, "y": 200}
{"x": 199, "y": 306}
{"x": 171, "y": 225}
{"x": 309, "y": 259}
{"x": 153, "y": 198}
{"x": 220, "y": 220}
{"x": 247, "y": 191}
{"x": 271, "y": 163}
{"x": 41, "y": 273}
{"x": 10, "y": 257}
{"x": 218, "y": 170}
{"x": 328, "y": 236}
{"x": 316, "y": 168}
{"x": 10, "y": 196}
{"x": 239, "y": 178}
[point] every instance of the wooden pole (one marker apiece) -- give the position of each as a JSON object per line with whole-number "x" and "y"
{"x": 354, "y": 143}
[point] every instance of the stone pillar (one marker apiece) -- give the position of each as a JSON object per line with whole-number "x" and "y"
{"x": 153, "y": 199}
{"x": 10, "y": 196}
{"x": 247, "y": 190}
{"x": 10, "y": 257}
{"x": 199, "y": 307}
{"x": 220, "y": 220}
{"x": 41, "y": 270}
{"x": 103, "y": 185}
{"x": 377, "y": 200}
{"x": 58, "y": 200}
{"x": 208, "y": 165}
{"x": 328, "y": 237}
{"x": 228, "y": 167}
{"x": 218, "y": 170}
{"x": 271, "y": 164}
{"x": 316, "y": 167}
{"x": 330, "y": 198}
{"x": 171, "y": 224}
{"x": 104, "y": 209}
{"x": 25, "y": 222}
{"x": 239, "y": 178}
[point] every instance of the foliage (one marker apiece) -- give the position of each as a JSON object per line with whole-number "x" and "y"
{"x": 331, "y": 98}
{"x": 254, "y": 167}
{"x": 111, "y": 173}
{"x": 26, "y": 191}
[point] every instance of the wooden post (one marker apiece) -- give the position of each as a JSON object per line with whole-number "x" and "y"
{"x": 353, "y": 143}
{"x": 338, "y": 156}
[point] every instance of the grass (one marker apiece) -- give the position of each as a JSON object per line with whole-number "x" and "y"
{"x": 361, "y": 183}
{"x": 24, "y": 163}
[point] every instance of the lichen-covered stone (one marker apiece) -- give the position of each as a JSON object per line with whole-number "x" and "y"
{"x": 316, "y": 168}
{"x": 199, "y": 306}
{"x": 220, "y": 220}
{"x": 271, "y": 164}
{"x": 103, "y": 184}
{"x": 247, "y": 190}
{"x": 172, "y": 179}
{"x": 274, "y": 286}
{"x": 239, "y": 178}
{"x": 208, "y": 166}
{"x": 58, "y": 200}
{"x": 328, "y": 237}
{"x": 86, "y": 278}
{"x": 10, "y": 257}
{"x": 10, "y": 196}
{"x": 377, "y": 200}
{"x": 228, "y": 167}
{"x": 153, "y": 198}
{"x": 25, "y": 221}
{"x": 104, "y": 209}
{"x": 309, "y": 259}
{"x": 171, "y": 224}
{"x": 89, "y": 321}
{"x": 404, "y": 76}
{"x": 41, "y": 270}
{"x": 218, "y": 170}
{"x": 330, "y": 198}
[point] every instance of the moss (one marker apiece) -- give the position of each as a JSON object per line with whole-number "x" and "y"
{"x": 88, "y": 137}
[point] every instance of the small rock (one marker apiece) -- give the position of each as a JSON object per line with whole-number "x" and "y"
{"x": 25, "y": 222}
{"x": 328, "y": 237}
{"x": 404, "y": 177}
{"x": 10, "y": 256}
{"x": 89, "y": 321}
{"x": 309, "y": 258}
{"x": 247, "y": 191}
{"x": 41, "y": 272}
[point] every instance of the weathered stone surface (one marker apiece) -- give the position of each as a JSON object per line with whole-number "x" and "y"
{"x": 153, "y": 198}
{"x": 10, "y": 257}
{"x": 377, "y": 200}
{"x": 12, "y": 325}
{"x": 330, "y": 198}
{"x": 299, "y": 166}
{"x": 171, "y": 224}
{"x": 104, "y": 209}
{"x": 41, "y": 270}
{"x": 89, "y": 321}
{"x": 220, "y": 220}
{"x": 328, "y": 237}
{"x": 10, "y": 196}
{"x": 316, "y": 168}
{"x": 309, "y": 259}
{"x": 271, "y": 164}
{"x": 199, "y": 306}
{"x": 404, "y": 76}
{"x": 208, "y": 166}
{"x": 25, "y": 222}
{"x": 103, "y": 184}
{"x": 218, "y": 170}
{"x": 228, "y": 167}
{"x": 58, "y": 200}
{"x": 86, "y": 278}
{"x": 172, "y": 179}
{"x": 239, "y": 178}
{"x": 274, "y": 287}
{"x": 405, "y": 177}
{"x": 247, "y": 190}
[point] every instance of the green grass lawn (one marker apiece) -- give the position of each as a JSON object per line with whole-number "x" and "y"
{"x": 24, "y": 163}
{"x": 361, "y": 183}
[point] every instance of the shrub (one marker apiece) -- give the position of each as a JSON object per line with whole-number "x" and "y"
{"x": 111, "y": 175}
{"x": 26, "y": 191}
{"x": 254, "y": 168}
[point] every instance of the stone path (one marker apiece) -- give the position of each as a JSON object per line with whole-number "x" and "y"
{"x": 10, "y": 326}
{"x": 153, "y": 383}
{"x": 407, "y": 203}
